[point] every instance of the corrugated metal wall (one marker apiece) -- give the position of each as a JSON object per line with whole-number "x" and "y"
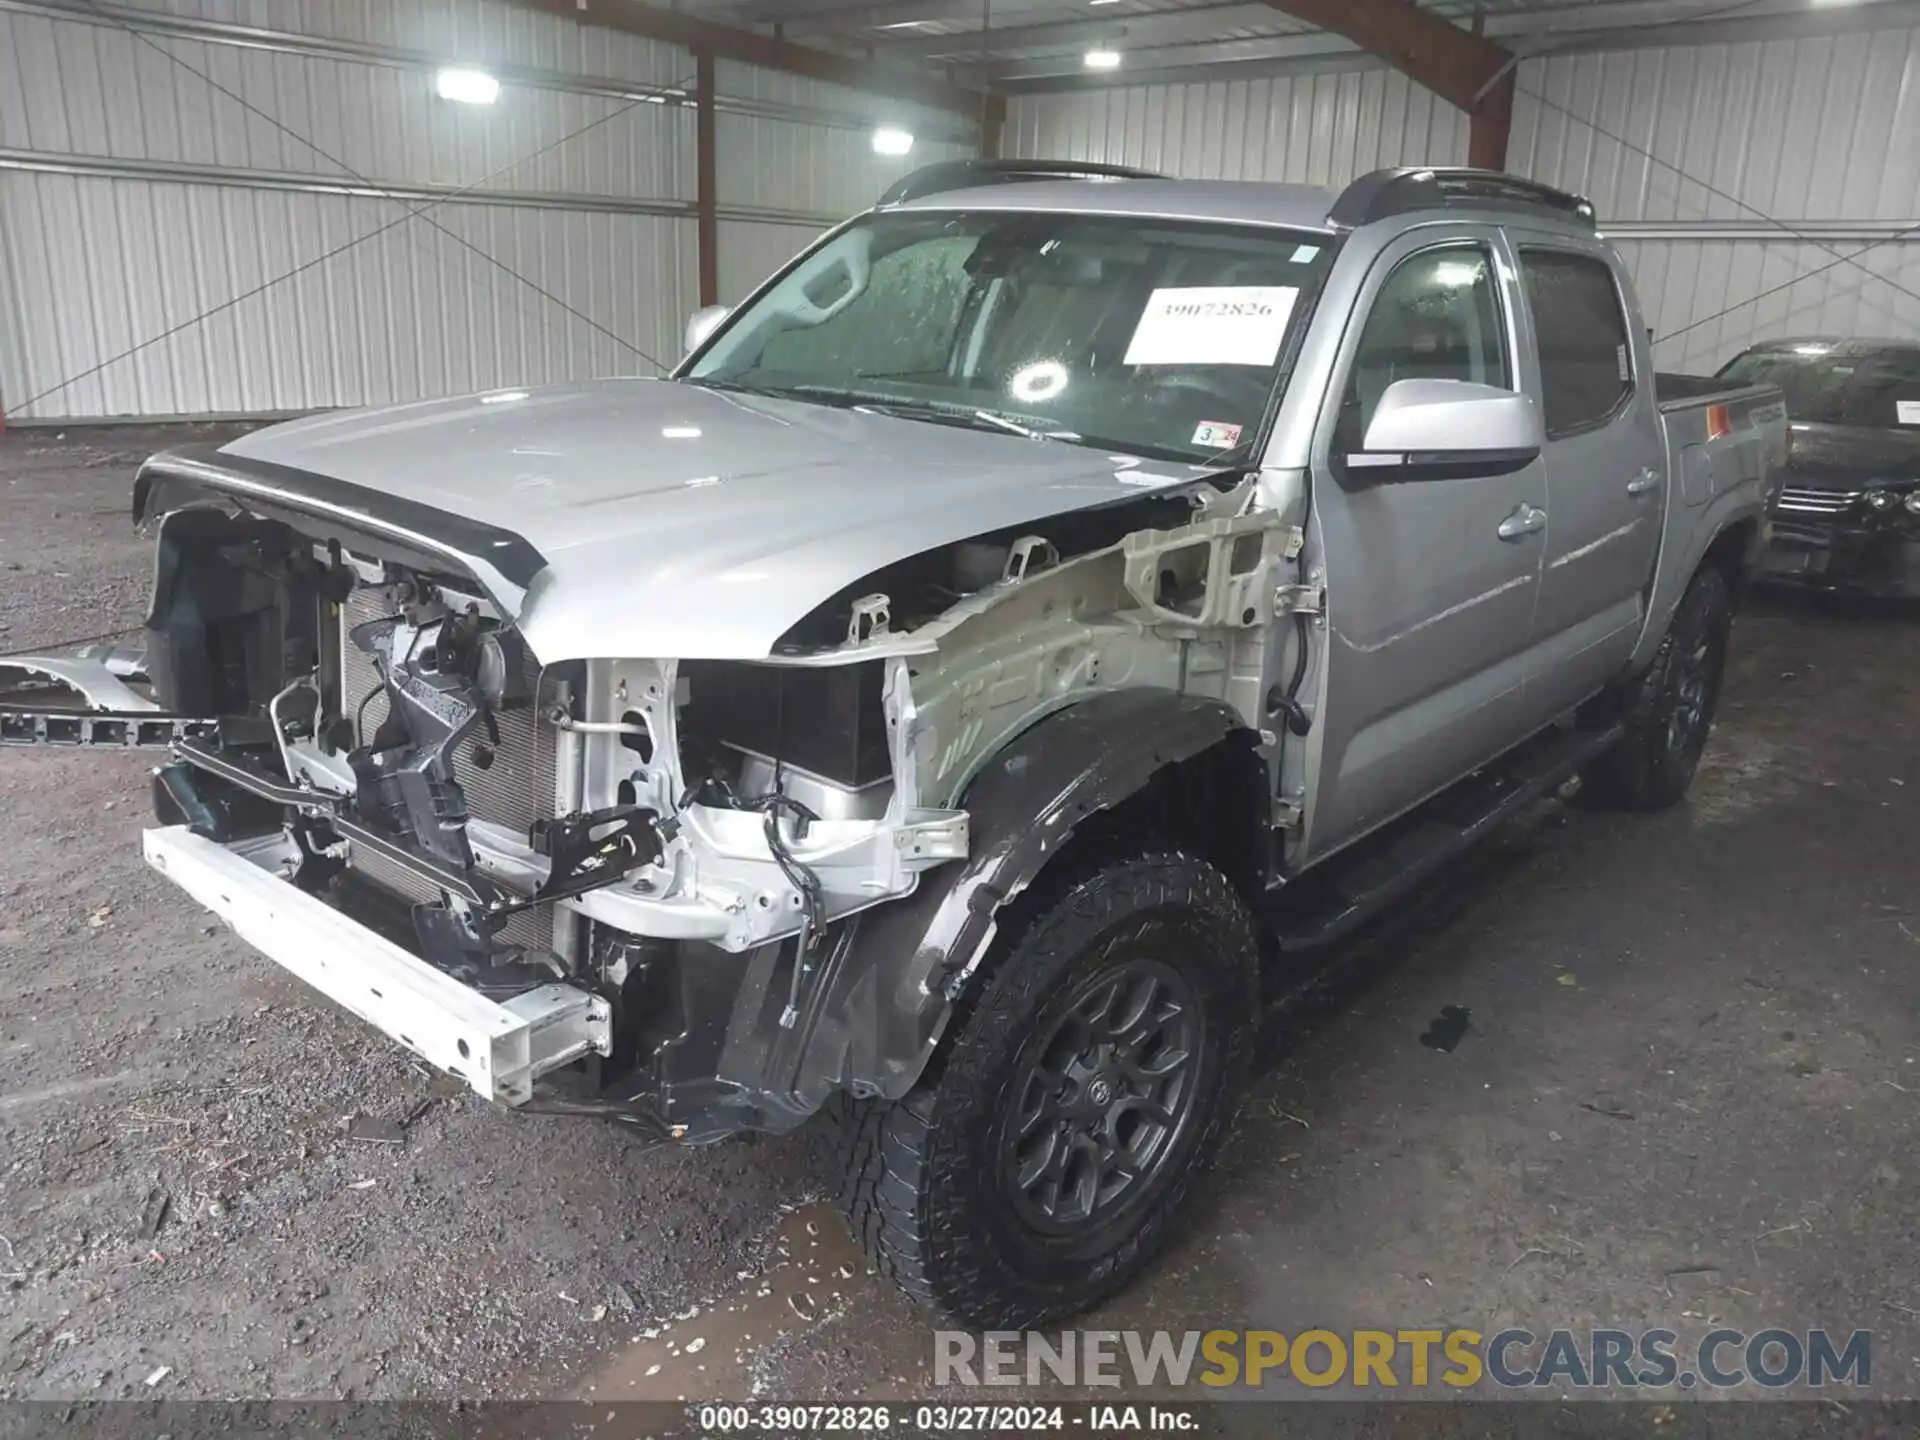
{"x": 807, "y": 168}
{"x": 141, "y": 196}
{"x": 1310, "y": 129}
{"x": 1811, "y": 130}
{"x": 136, "y": 196}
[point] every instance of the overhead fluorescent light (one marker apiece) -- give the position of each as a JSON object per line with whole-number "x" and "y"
{"x": 890, "y": 140}
{"x": 469, "y": 87}
{"x": 1103, "y": 59}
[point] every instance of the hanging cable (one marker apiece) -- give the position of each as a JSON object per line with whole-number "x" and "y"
{"x": 413, "y": 212}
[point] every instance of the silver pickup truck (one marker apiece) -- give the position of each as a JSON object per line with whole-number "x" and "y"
{"x": 924, "y": 706}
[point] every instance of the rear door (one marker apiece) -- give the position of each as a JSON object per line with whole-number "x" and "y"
{"x": 1431, "y": 582}
{"x": 1605, "y": 466}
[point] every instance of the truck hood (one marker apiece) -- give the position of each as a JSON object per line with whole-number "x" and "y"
{"x": 1849, "y": 457}
{"x": 680, "y": 522}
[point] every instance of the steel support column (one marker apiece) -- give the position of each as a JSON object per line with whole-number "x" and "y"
{"x": 706, "y": 197}
{"x": 1466, "y": 70}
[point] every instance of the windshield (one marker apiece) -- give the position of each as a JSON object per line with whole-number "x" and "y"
{"x": 1162, "y": 339}
{"x": 1880, "y": 390}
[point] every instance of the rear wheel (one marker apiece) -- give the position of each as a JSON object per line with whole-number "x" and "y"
{"x": 1671, "y": 714}
{"x": 1054, "y": 1143}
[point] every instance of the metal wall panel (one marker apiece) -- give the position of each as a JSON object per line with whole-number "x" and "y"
{"x": 409, "y": 314}
{"x": 1708, "y": 299}
{"x": 809, "y": 166}
{"x": 476, "y": 31}
{"x": 69, "y": 88}
{"x": 821, "y": 166}
{"x": 97, "y": 264}
{"x": 750, "y": 251}
{"x": 1696, "y": 142}
{"x": 1321, "y": 129}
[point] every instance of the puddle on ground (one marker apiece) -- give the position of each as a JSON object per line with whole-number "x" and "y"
{"x": 820, "y": 1271}
{"x": 1446, "y": 1032}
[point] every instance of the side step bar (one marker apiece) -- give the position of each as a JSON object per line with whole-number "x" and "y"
{"x": 1386, "y": 877}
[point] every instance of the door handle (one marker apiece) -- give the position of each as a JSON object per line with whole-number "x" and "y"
{"x": 1527, "y": 520}
{"x": 1647, "y": 479}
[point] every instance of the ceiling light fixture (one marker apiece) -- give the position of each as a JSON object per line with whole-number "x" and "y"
{"x": 1103, "y": 59}
{"x": 889, "y": 140}
{"x": 469, "y": 87}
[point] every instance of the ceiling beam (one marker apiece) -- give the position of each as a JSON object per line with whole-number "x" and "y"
{"x": 745, "y": 47}
{"x": 840, "y": 16}
{"x": 1457, "y": 65}
{"x": 1064, "y": 35}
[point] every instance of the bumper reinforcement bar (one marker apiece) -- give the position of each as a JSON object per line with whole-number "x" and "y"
{"x": 498, "y": 1049}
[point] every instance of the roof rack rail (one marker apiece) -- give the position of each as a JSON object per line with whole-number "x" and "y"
{"x": 969, "y": 174}
{"x": 1404, "y": 191}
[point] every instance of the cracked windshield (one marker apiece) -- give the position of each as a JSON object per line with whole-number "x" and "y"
{"x": 1162, "y": 340}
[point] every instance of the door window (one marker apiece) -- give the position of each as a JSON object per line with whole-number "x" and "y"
{"x": 1436, "y": 318}
{"x": 1586, "y": 359}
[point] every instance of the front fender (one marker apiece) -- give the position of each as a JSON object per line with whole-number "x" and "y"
{"x": 885, "y": 994}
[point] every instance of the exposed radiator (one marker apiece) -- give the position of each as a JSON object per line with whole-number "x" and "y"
{"x": 512, "y": 792}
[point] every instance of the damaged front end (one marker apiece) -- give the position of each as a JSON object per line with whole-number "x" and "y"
{"x": 683, "y": 893}
{"x": 516, "y": 870}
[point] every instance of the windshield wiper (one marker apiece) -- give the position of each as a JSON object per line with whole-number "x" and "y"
{"x": 1016, "y": 428}
{"x": 928, "y": 411}
{"x": 732, "y": 387}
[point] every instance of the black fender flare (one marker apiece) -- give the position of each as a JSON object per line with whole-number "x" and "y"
{"x": 887, "y": 989}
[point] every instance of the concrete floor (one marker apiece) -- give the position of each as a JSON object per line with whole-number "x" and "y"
{"x": 1689, "y": 1096}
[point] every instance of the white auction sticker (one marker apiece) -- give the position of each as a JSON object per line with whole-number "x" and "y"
{"x": 1908, "y": 411}
{"x": 1216, "y": 325}
{"x": 1216, "y": 436}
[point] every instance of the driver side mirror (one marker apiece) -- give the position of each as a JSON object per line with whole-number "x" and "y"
{"x": 703, "y": 322}
{"x": 1432, "y": 429}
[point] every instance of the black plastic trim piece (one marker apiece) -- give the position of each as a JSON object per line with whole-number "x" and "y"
{"x": 427, "y": 536}
{"x": 1395, "y": 467}
{"x": 311, "y": 802}
{"x": 1410, "y": 190}
{"x": 971, "y": 174}
{"x": 883, "y": 995}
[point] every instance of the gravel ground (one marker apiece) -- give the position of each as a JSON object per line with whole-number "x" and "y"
{"x": 154, "y": 1069}
{"x": 1687, "y": 1097}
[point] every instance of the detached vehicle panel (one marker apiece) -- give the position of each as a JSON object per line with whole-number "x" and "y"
{"x": 916, "y": 708}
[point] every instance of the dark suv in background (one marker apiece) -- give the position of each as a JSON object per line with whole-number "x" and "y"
{"x": 1847, "y": 513}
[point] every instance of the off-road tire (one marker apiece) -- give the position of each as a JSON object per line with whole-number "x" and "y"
{"x": 925, "y": 1184}
{"x": 1670, "y": 712}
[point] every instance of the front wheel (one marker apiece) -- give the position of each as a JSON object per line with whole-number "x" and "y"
{"x": 1051, "y": 1148}
{"x": 1672, "y": 711}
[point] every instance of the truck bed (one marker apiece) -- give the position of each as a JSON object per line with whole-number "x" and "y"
{"x": 1675, "y": 391}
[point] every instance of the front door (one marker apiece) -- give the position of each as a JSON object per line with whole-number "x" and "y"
{"x": 1430, "y": 583}
{"x": 1606, "y": 468}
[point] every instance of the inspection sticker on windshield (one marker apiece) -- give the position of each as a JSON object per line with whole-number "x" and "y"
{"x": 1215, "y": 325}
{"x": 1215, "y": 436}
{"x": 1907, "y": 411}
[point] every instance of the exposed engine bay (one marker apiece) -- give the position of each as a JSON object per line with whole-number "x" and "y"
{"x": 655, "y": 867}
